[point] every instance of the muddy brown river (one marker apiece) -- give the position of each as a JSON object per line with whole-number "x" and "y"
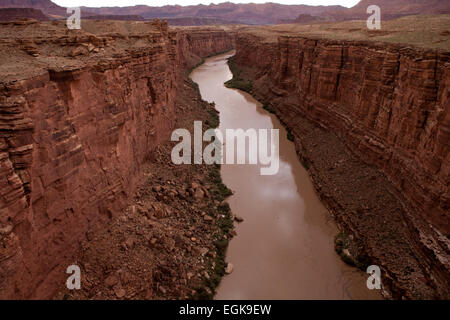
{"x": 284, "y": 248}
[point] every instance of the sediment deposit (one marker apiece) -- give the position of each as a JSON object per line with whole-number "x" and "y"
{"x": 357, "y": 109}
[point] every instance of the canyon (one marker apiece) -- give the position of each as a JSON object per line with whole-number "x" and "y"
{"x": 355, "y": 108}
{"x": 295, "y": 258}
{"x": 82, "y": 111}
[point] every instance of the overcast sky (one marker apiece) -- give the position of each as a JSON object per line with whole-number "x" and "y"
{"x": 155, "y": 3}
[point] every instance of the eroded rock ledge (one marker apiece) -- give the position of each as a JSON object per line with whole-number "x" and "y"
{"x": 80, "y": 111}
{"x": 371, "y": 122}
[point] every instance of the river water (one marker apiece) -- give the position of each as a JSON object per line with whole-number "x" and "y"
{"x": 284, "y": 248}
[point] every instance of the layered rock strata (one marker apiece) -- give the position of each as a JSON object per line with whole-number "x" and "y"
{"x": 388, "y": 106}
{"x": 79, "y": 114}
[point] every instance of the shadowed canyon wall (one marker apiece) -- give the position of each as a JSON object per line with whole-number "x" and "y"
{"x": 72, "y": 141}
{"x": 389, "y": 104}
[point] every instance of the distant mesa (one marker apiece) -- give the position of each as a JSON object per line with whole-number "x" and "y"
{"x": 304, "y": 19}
{"x": 46, "y": 6}
{"x": 223, "y": 13}
{"x": 245, "y": 13}
{"x": 193, "y": 21}
{"x": 15, "y": 14}
{"x": 123, "y": 17}
{"x": 227, "y": 13}
{"x": 391, "y": 9}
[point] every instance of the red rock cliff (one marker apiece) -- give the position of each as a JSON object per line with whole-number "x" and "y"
{"x": 73, "y": 139}
{"x": 389, "y": 105}
{"x": 197, "y": 43}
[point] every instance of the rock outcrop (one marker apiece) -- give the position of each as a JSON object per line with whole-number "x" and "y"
{"x": 74, "y": 133}
{"x": 389, "y": 105}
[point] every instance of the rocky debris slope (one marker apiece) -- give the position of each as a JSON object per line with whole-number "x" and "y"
{"x": 169, "y": 243}
{"x": 354, "y": 107}
{"x": 80, "y": 112}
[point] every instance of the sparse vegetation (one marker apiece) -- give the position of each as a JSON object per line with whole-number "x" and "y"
{"x": 237, "y": 82}
{"x": 350, "y": 250}
{"x": 290, "y": 136}
{"x": 305, "y": 164}
{"x": 221, "y": 237}
{"x": 224, "y": 220}
{"x": 268, "y": 107}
